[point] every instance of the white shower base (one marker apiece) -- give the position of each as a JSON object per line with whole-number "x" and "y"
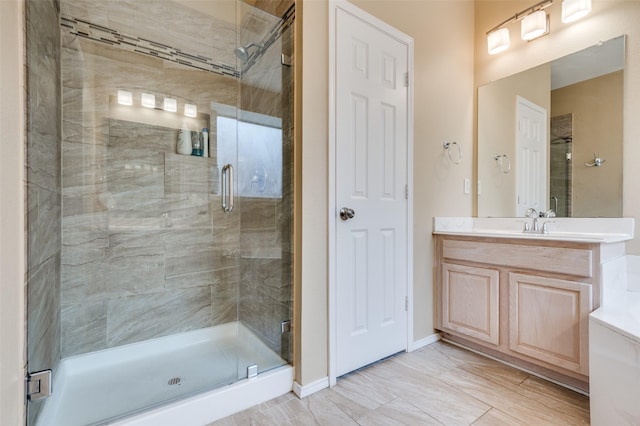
{"x": 110, "y": 384}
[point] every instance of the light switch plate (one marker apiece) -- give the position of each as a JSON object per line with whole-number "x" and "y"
{"x": 467, "y": 186}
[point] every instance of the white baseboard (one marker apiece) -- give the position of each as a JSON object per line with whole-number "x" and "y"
{"x": 313, "y": 387}
{"x": 424, "y": 342}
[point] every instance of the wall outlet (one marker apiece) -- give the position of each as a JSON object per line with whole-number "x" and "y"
{"x": 467, "y": 186}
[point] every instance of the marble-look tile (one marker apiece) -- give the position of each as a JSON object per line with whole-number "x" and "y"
{"x": 83, "y": 276}
{"x": 258, "y": 214}
{"x": 384, "y": 394}
{"x": 214, "y": 38}
{"x": 43, "y": 83}
{"x": 322, "y": 409}
{"x": 276, "y": 8}
{"x": 147, "y": 138}
{"x": 88, "y": 231}
{"x": 495, "y": 417}
{"x": 141, "y": 317}
{"x": 361, "y": 389}
{"x": 261, "y": 244}
{"x": 186, "y": 174}
{"x": 135, "y": 173}
{"x": 263, "y": 277}
{"x": 316, "y": 409}
{"x": 43, "y": 224}
{"x": 94, "y": 202}
{"x": 428, "y": 360}
{"x": 186, "y": 260}
{"x": 84, "y": 328}
{"x": 135, "y": 270}
{"x": 395, "y": 413}
{"x": 554, "y": 395}
{"x": 83, "y": 254}
{"x": 43, "y": 307}
{"x": 265, "y": 299}
{"x": 508, "y": 400}
{"x": 226, "y": 228}
{"x": 445, "y": 401}
{"x": 224, "y": 302}
{"x": 213, "y": 278}
{"x": 168, "y": 238}
{"x": 84, "y": 167}
{"x": 188, "y": 211}
{"x": 263, "y": 316}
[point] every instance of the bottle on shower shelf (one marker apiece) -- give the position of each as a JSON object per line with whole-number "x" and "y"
{"x": 196, "y": 141}
{"x": 205, "y": 142}
{"x": 183, "y": 145}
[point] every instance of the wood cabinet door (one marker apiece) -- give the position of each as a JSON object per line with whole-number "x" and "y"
{"x": 548, "y": 320}
{"x": 470, "y": 301}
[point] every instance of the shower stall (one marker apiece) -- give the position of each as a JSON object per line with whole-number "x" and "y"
{"x": 159, "y": 204}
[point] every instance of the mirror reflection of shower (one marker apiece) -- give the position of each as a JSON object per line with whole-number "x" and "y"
{"x": 242, "y": 52}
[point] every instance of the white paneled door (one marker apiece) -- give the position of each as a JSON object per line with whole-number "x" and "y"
{"x": 371, "y": 125}
{"x": 531, "y": 156}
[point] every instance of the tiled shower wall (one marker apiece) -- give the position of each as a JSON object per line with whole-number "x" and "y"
{"x": 43, "y": 188}
{"x": 146, "y": 248}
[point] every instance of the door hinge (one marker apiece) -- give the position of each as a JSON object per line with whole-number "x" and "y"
{"x": 286, "y": 60}
{"x": 406, "y": 303}
{"x": 285, "y": 326}
{"x": 406, "y": 192}
{"x": 38, "y": 385}
{"x": 406, "y": 79}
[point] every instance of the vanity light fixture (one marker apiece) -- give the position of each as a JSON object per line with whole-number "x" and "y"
{"x": 125, "y": 97}
{"x": 190, "y": 110}
{"x": 498, "y": 40}
{"x": 148, "y": 100}
{"x": 572, "y": 10}
{"x": 535, "y": 22}
{"x": 534, "y": 25}
{"x": 170, "y": 105}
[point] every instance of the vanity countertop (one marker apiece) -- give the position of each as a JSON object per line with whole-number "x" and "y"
{"x": 584, "y": 230}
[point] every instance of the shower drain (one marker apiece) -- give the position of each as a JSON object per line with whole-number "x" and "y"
{"x": 174, "y": 381}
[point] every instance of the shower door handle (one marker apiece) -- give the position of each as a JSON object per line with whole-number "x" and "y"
{"x": 227, "y": 188}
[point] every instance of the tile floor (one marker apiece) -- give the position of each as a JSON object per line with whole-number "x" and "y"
{"x": 438, "y": 384}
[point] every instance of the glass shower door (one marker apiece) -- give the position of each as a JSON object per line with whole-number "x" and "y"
{"x": 265, "y": 184}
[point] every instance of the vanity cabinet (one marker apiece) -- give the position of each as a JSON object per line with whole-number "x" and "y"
{"x": 548, "y": 320}
{"x": 525, "y": 301}
{"x": 470, "y": 301}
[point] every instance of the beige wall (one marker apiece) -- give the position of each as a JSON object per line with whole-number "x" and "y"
{"x": 443, "y": 93}
{"x": 11, "y": 213}
{"x": 596, "y": 106}
{"x": 311, "y": 331}
{"x": 496, "y": 135}
{"x": 607, "y": 20}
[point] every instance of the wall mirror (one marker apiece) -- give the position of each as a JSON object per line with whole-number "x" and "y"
{"x": 550, "y": 138}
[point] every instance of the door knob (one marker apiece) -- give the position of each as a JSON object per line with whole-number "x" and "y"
{"x": 346, "y": 213}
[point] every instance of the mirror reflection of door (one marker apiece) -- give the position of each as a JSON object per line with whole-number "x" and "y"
{"x": 531, "y": 156}
{"x": 560, "y": 164}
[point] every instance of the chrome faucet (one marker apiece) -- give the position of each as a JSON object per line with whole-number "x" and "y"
{"x": 535, "y": 227}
